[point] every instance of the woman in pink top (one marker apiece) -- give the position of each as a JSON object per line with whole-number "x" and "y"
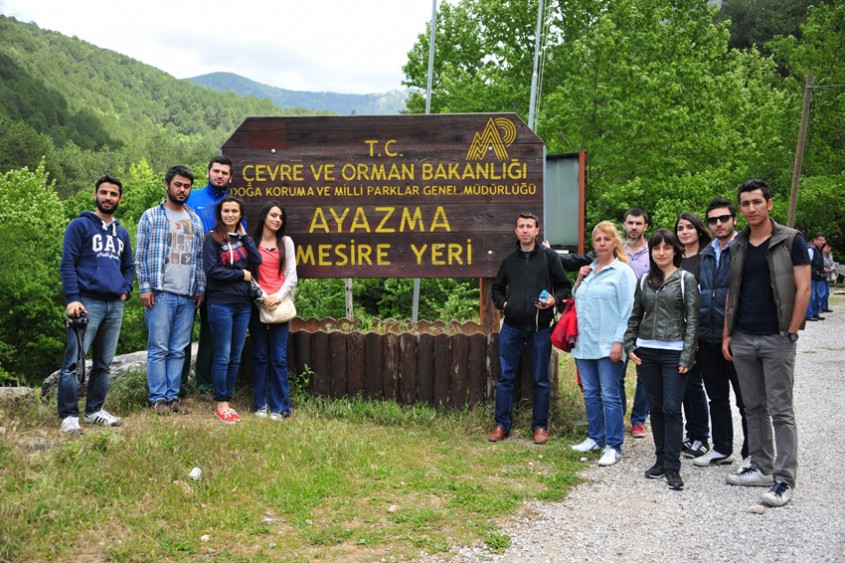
{"x": 277, "y": 277}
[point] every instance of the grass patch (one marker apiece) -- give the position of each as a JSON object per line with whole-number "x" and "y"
{"x": 347, "y": 479}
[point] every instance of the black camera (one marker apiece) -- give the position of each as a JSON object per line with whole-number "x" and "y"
{"x": 255, "y": 291}
{"x": 77, "y": 323}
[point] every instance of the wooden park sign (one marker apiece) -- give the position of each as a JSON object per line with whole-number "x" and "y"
{"x": 392, "y": 196}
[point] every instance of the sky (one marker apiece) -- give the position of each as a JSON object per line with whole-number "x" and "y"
{"x": 344, "y": 46}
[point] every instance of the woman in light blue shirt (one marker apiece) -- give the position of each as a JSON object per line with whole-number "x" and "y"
{"x": 603, "y": 300}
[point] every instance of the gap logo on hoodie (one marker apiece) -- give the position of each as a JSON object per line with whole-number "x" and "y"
{"x": 97, "y": 259}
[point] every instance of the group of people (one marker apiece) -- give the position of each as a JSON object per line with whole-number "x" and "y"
{"x": 698, "y": 310}
{"x": 192, "y": 252}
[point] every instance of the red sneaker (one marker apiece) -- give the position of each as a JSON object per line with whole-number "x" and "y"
{"x": 233, "y": 416}
{"x": 224, "y": 417}
{"x": 638, "y": 431}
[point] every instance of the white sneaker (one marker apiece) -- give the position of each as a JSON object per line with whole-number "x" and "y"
{"x": 778, "y": 495}
{"x": 70, "y": 425}
{"x": 713, "y": 458}
{"x": 588, "y": 445}
{"x": 609, "y": 456}
{"x": 261, "y": 413}
{"x": 749, "y": 477}
{"x": 103, "y": 418}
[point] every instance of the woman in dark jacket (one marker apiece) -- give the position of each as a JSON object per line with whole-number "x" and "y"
{"x": 693, "y": 235}
{"x": 660, "y": 340}
{"x": 228, "y": 255}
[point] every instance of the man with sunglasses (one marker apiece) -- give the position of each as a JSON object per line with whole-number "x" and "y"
{"x": 719, "y": 374}
{"x": 767, "y": 299}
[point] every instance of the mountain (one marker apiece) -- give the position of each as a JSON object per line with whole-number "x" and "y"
{"x": 392, "y": 102}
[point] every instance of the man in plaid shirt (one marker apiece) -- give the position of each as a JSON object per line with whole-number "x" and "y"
{"x": 168, "y": 265}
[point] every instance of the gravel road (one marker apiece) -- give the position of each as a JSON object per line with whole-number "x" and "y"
{"x": 618, "y": 515}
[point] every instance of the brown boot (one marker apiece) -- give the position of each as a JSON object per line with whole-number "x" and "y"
{"x": 541, "y": 436}
{"x": 498, "y": 434}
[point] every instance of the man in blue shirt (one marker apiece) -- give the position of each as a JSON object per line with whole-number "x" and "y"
{"x": 204, "y": 201}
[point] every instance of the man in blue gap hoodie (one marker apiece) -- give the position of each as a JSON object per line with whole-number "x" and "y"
{"x": 97, "y": 272}
{"x": 204, "y": 201}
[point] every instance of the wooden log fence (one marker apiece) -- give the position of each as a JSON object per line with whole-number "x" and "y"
{"x": 453, "y": 365}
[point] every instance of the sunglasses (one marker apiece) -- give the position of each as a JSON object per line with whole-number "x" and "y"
{"x": 719, "y": 219}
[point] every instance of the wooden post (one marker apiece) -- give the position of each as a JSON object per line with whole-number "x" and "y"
{"x": 799, "y": 151}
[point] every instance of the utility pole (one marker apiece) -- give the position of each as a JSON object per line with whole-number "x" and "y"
{"x": 415, "y": 306}
{"x": 799, "y": 151}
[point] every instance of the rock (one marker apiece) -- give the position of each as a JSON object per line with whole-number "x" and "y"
{"x": 14, "y": 392}
{"x": 206, "y": 537}
{"x": 757, "y": 509}
{"x": 136, "y": 361}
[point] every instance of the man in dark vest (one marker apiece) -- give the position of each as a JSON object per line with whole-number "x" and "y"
{"x": 767, "y": 297}
{"x": 818, "y": 277}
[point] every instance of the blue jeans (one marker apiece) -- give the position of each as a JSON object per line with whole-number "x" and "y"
{"x": 169, "y": 323}
{"x": 639, "y": 410}
{"x": 695, "y": 407}
{"x": 824, "y": 296}
{"x": 101, "y": 334}
{"x": 600, "y": 382}
{"x": 665, "y": 389}
{"x": 228, "y": 323}
{"x": 539, "y": 347}
{"x": 270, "y": 347}
{"x": 815, "y": 305}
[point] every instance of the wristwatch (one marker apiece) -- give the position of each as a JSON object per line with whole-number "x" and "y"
{"x": 793, "y": 336}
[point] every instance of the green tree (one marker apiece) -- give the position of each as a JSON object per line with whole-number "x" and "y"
{"x": 753, "y": 23}
{"x": 31, "y": 304}
{"x": 668, "y": 114}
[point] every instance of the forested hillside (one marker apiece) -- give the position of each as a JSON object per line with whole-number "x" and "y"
{"x": 87, "y": 109}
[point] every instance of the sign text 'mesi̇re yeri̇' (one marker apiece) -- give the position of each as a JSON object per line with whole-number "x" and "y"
{"x": 392, "y": 196}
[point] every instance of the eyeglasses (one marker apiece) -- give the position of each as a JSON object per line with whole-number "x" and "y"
{"x": 719, "y": 219}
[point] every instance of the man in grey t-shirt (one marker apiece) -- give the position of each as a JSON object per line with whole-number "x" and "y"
{"x": 168, "y": 261}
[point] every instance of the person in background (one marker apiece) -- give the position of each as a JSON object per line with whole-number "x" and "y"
{"x": 97, "y": 273}
{"x": 767, "y": 300}
{"x": 830, "y": 267}
{"x": 168, "y": 262}
{"x": 693, "y": 235}
{"x": 604, "y": 295}
{"x": 719, "y": 374}
{"x": 660, "y": 340}
{"x": 529, "y": 284}
{"x": 635, "y": 223}
{"x": 277, "y": 277}
{"x": 229, "y": 255}
{"x": 204, "y": 202}
{"x": 818, "y": 277}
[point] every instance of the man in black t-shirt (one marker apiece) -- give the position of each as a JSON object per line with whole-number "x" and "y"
{"x": 767, "y": 298}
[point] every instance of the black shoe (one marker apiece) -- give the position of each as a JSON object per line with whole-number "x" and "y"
{"x": 694, "y": 448}
{"x": 820, "y": 318}
{"x": 827, "y": 310}
{"x": 811, "y": 319}
{"x": 673, "y": 479}
{"x": 656, "y": 471}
